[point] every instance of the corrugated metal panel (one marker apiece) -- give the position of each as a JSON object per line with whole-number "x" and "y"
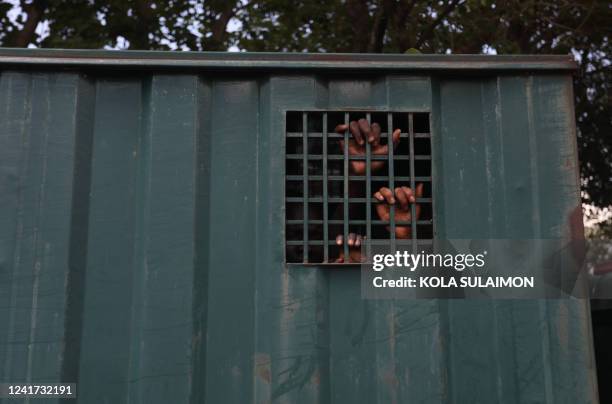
{"x": 141, "y": 242}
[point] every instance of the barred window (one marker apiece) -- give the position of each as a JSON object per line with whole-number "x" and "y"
{"x": 355, "y": 179}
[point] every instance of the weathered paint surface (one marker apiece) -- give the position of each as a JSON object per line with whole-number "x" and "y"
{"x": 141, "y": 242}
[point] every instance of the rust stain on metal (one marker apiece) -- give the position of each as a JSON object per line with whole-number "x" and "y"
{"x": 315, "y": 379}
{"x": 263, "y": 367}
{"x": 390, "y": 378}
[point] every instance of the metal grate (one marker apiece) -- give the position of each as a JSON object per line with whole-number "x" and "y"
{"x": 330, "y": 182}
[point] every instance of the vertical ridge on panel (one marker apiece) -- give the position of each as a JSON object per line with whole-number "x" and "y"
{"x": 142, "y": 213}
{"x": 15, "y": 90}
{"x": 438, "y": 193}
{"x": 494, "y": 157}
{"x": 57, "y": 127}
{"x": 501, "y": 315}
{"x": 572, "y": 362}
{"x": 202, "y": 237}
{"x": 32, "y": 256}
{"x": 107, "y": 313}
{"x": 464, "y": 132}
{"x": 161, "y": 348}
{"x": 437, "y": 163}
{"x": 291, "y": 301}
{"x": 530, "y": 327}
{"x": 38, "y": 298}
{"x": 83, "y": 121}
{"x": 516, "y": 147}
{"x": 555, "y": 138}
{"x": 268, "y": 260}
{"x": 233, "y": 199}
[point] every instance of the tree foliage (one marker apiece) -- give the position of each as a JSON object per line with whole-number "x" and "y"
{"x": 581, "y": 27}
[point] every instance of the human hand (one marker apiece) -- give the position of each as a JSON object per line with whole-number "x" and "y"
{"x": 363, "y": 132}
{"x": 354, "y": 242}
{"x": 403, "y": 212}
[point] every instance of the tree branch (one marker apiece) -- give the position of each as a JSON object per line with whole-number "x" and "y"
{"x": 357, "y": 11}
{"x": 34, "y": 11}
{"x": 379, "y": 27}
{"x": 146, "y": 15}
{"x": 427, "y": 32}
{"x": 405, "y": 37}
{"x": 218, "y": 29}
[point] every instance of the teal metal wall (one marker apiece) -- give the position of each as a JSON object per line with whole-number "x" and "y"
{"x": 141, "y": 231}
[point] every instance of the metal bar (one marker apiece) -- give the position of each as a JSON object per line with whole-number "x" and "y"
{"x": 342, "y": 199}
{"x": 355, "y": 178}
{"x": 346, "y": 189}
{"x": 305, "y": 182}
{"x": 334, "y": 135}
{"x": 391, "y": 178}
{"x": 368, "y": 192}
{"x": 376, "y": 241}
{"x": 325, "y": 207}
{"x": 357, "y": 158}
{"x": 413, "y": 217}
{"x": 357, "y": 221}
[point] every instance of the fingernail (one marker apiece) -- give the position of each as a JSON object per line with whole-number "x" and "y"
{"x": 392, "y": 200}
